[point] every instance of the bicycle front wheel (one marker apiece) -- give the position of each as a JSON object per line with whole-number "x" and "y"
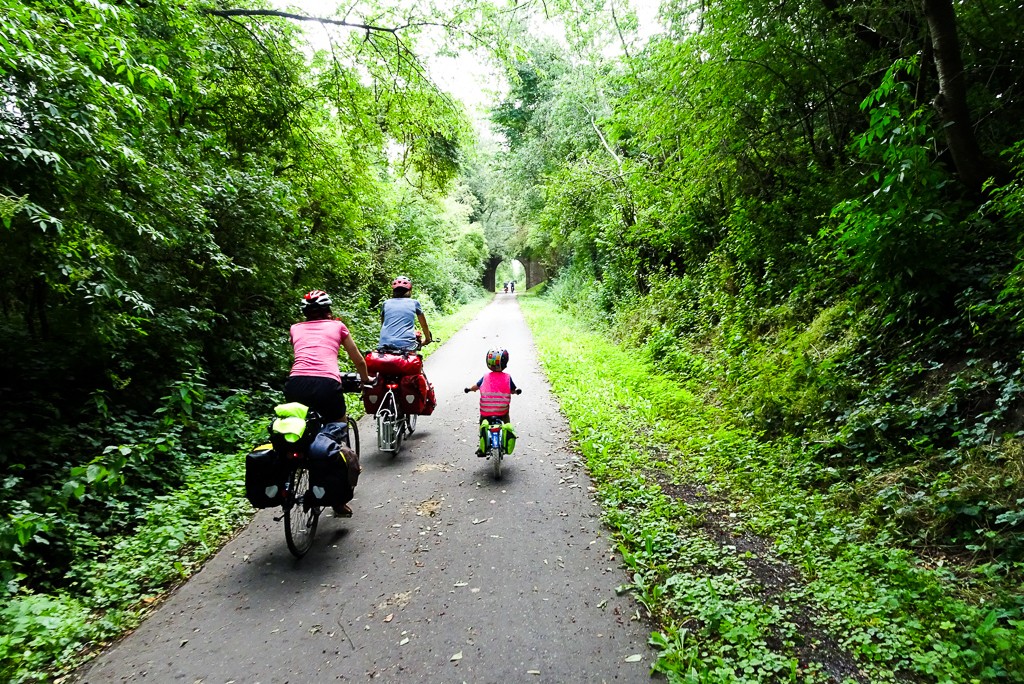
{"x": 301, "y": 514}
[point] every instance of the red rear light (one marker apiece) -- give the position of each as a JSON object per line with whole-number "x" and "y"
{"x": 392, "y": 386}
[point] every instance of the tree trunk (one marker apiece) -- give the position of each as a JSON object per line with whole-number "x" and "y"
{"x": 951, "y": 102}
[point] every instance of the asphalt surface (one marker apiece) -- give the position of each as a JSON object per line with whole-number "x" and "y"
{"x": 444, "y": 574}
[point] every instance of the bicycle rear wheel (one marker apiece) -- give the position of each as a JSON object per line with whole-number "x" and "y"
{"x": 353, "y": 435}
{"x": 496, "y": 462}
{"x": 410, "y": 423}
{"x": 301, "y": 514}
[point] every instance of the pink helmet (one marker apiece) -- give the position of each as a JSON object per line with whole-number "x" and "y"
{"x": 402, "y": 282}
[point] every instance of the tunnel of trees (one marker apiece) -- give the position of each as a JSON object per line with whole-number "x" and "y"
{"x": 813, "y": 207}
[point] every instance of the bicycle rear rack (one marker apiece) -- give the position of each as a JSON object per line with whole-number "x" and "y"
{"x": 389, "y": 424}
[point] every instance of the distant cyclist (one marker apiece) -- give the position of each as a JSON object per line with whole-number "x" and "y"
{"x": 398, "y": 318}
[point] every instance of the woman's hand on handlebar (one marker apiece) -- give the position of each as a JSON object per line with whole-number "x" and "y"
{"x": 519, "y": 391}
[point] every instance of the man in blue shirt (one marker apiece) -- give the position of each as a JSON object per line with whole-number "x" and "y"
{"x": 398, "y": 318}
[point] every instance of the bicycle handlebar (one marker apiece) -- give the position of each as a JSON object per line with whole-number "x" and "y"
{"x": 467, "y": 390}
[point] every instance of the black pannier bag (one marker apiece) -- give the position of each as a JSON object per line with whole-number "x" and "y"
{"x": 264, "y": 477}
{"x": 333, "y": 468}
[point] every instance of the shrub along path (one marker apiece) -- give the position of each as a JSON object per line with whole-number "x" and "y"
{"x": 442, "y": 575}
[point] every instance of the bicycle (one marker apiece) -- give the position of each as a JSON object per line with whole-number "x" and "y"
{"x": 300, "y": 506}
{"x": 393, "y": 423}
{"x": 496, "y": 448}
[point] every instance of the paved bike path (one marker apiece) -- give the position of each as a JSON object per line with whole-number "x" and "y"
{"x": 443, "y": 575}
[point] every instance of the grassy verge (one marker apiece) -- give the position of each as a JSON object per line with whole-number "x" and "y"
{"x": 752, "y": 576}
{"x": 119, "y": 579}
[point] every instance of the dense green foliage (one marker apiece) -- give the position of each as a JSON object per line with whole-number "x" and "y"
{"x": 692, "y": 494}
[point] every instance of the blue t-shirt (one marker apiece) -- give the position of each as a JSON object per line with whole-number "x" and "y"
{"x": 398, "y": 323}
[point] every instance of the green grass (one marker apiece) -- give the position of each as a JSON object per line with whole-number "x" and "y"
{"x": 859, "y": 604}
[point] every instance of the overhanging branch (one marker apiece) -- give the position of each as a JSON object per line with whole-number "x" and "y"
{"x": 226, "y": 13}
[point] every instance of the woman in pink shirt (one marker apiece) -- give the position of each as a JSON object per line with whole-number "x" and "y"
{"x": 315, "y": 379}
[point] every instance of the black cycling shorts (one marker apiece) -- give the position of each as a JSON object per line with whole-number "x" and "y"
{"x": 321, "y": 394}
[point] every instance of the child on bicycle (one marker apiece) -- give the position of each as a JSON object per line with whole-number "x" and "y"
{"x": 496, "y": 390}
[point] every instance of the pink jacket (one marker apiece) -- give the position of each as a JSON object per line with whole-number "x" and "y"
{"x": 495, "y": 394}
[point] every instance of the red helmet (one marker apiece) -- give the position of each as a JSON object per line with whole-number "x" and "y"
{"x": 402, "y": 282}
{"x": 315, "y": 299}
{"x": 497, "y": 359}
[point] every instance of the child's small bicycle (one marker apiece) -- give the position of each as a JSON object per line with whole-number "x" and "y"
{"x": 495, "y": 440}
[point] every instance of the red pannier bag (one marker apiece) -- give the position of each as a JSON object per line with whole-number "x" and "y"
{"x": 372, "y": 396}
{"x": 382, "y": 363}
{"x": 416, "y": 395}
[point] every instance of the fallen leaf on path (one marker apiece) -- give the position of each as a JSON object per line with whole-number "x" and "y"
{"x": 635, "y": 658}
{"x": 536, "y": 672}
{"x": 316, "y": 629}
{"x": 461, "y": 584}
{"x": 404, "y": 641}
{"x": 477, "y": 521}
{"x": 389, "y": 617}
{"x": 183, "y": 642}
{"x": 457, "y": 656}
